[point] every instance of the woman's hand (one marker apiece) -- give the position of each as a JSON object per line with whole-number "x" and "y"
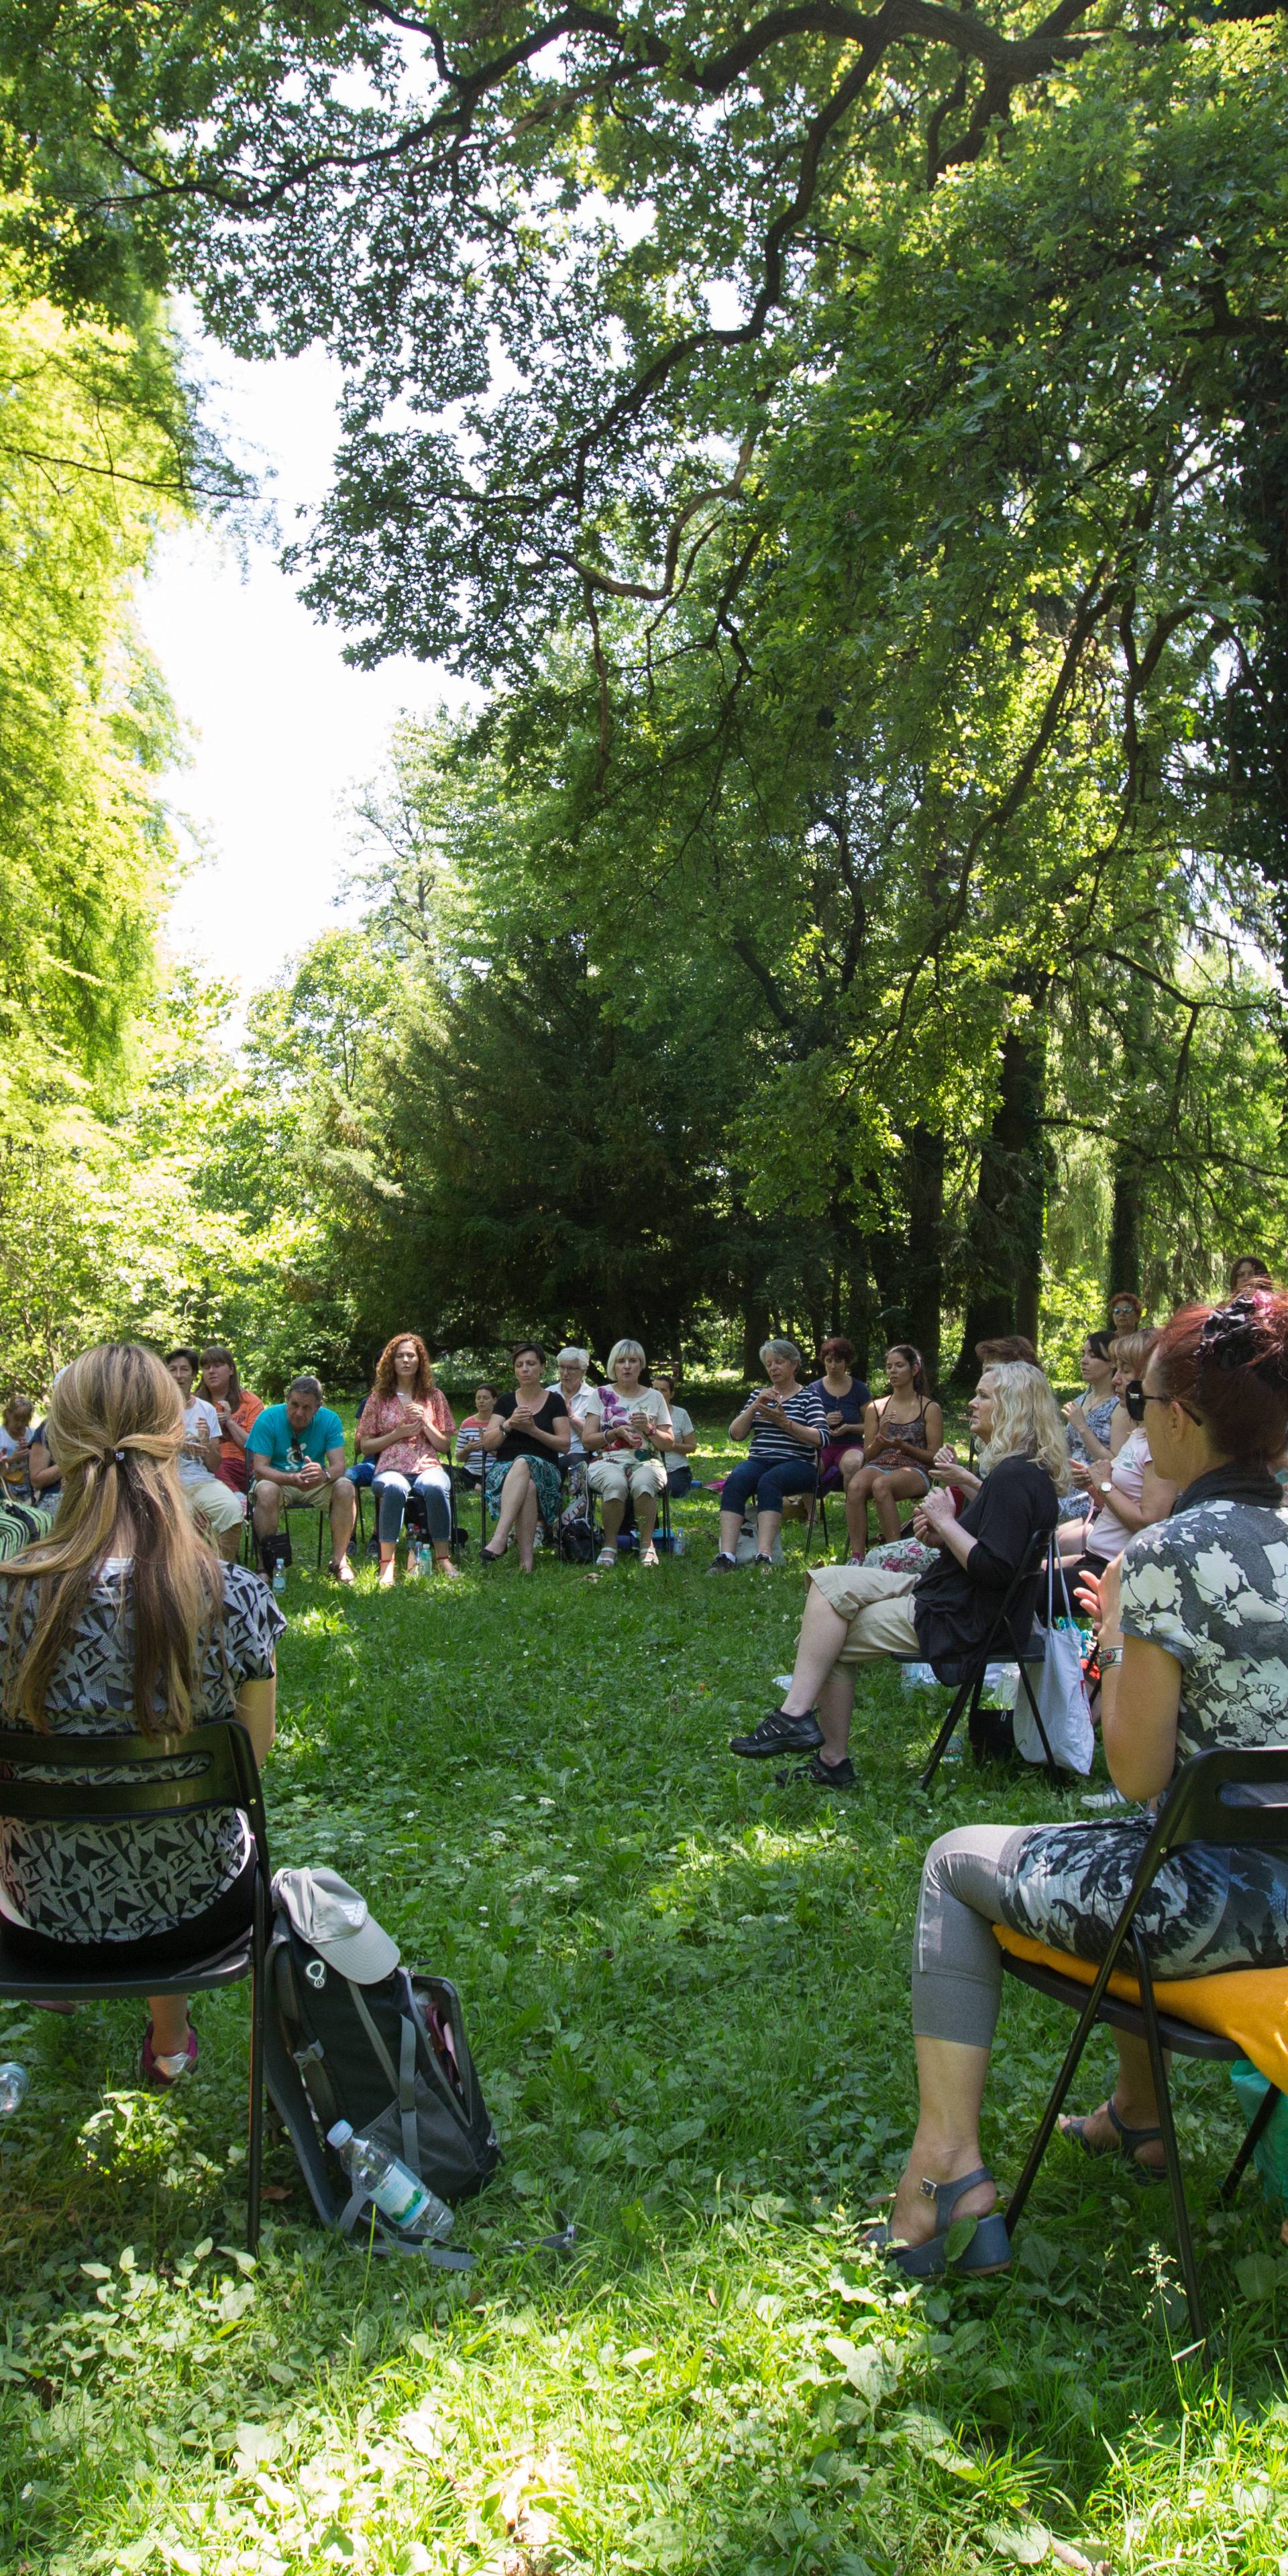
{"x": 835, "y": 1421}
{"x": 1073, "y": 1412}
{"x": 946, "y": 1457}
{"x": 1099, "y": 1595}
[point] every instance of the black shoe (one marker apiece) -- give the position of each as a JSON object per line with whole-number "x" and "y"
{"x": 766, "y": 1562}
{"x": 830, "y": 1775}
{"x": 779, "y": 1733}
{"x": 723, "y": 1564}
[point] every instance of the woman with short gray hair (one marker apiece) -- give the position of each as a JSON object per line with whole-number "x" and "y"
{"x": 629, "y": 1417}
{"x": 787, "y": 1425}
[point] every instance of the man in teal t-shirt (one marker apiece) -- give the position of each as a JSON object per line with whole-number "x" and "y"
{"x": 295, "y": 1453}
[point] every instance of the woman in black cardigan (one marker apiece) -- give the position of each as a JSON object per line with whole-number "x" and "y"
{"x": 855, "y": 1613}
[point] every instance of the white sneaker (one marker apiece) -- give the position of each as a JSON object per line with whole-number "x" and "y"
{"x": 607, "y": 1556}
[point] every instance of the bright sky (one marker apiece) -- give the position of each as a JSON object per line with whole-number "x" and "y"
{"x": 280, "y": 728}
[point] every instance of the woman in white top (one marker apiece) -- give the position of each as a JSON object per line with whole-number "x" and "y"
{"x": 200, "y": 1459}
{"x": 1128, "y": 1494}
{"x": 628, "y": 1418}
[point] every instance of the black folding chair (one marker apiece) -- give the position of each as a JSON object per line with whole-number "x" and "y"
{"x": 1013, "y": 1635}
{"x": 1222, "y": 1797}
{"x": 818, "y": 1512}
{"x": 226, "y": 1776}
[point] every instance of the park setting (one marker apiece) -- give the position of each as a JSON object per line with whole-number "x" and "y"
{"x": 644, "y": 1288}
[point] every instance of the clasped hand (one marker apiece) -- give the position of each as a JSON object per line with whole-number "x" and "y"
{"x": 932, "y": 1517}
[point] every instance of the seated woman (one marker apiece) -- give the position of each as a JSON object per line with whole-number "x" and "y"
{"x": 942, "y": 1615}
{"x": 845, "y": 1403}
{"x": 43, "y": 1471}
{"x": 785, "y": 1423}
{"x": 406, "y": 1428}
{"x": 1090, "y": 1417}
{"x": 1249, "y": 1271}
{"x": 237, "y": 1409}
{"x": 900, "y": 1438}
{"x": 124, "y": 1618}
{"x": 684, "y": 1439}
{"x": 469, "y": 1439}
{"x": 1188, "y": 1662}
{"x": 627, "y": 1417}
{"x": 15, "y": 1449}
{"x": 199, "y": 1458}
{"x": 1125, "y": 1495}
{"x": 527, "y": 1435}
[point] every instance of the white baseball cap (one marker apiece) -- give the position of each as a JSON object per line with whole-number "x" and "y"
{"x": 331, "y": 1915}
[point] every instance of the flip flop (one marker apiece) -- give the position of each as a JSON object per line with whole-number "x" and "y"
{"x": 989, "y": 2249}
{"x": 1125, "y": 2144}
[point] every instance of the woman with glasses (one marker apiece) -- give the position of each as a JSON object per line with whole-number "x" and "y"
{"x": 1193, "y": 1633}
{"x": 1126, "y": 1493}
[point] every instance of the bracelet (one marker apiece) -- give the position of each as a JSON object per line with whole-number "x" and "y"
{"x": 1107, "y": 1655}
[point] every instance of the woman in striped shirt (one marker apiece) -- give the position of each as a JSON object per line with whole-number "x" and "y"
{"x": 787, "y": 1425}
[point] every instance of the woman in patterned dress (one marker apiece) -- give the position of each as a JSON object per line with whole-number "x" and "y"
{"x": 124, "y": 1618}
{"x": 1193, "y": 1622}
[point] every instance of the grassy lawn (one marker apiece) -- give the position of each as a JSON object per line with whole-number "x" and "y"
{"x": 686, "y": 1991}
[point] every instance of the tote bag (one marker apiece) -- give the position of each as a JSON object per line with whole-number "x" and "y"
{"x": 1062, "y": 1689}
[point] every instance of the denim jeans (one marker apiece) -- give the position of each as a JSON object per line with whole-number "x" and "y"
{"x": 392, "y": 1493}
{"x": 768, "y": 1480}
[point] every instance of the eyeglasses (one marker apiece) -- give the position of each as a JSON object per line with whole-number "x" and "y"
{"x": 1136, "y": 1399}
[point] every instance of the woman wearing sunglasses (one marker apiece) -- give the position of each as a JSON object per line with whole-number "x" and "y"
{"x": 1193, "y": 1626}
{"x": 1126, "y": 1492}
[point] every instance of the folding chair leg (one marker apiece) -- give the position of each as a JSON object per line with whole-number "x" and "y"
{"x": 945, "y": 1735}
{"x": 1180, "y": 2210}
{"x": 255, "y": 2122}
{"x": 1255, "y": 2131}
{"x": 1055, "y": 2103}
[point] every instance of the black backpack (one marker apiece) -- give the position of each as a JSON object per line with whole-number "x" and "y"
{"x": 393, "y": 2059}
{"x": 576, "y": 1542}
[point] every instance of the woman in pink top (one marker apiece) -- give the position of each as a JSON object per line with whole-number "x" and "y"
{"x": 406, "y": 1426}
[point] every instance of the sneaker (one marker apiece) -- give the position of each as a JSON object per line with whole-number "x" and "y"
{"x": 829, "y": 1775}
{"x": 778, "y": 1733}
{"x": 765, "y": 1564}
{"x": 607, "y": 1556}
{"x": 723, "y": 1564}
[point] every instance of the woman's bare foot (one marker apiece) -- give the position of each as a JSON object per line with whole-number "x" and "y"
{"x": 1102, "y": 2138}
{"x": 388, "y": 1574}
{"x": 447, "y": 1565}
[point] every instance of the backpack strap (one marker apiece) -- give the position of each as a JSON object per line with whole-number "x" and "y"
{"x": 444, "y": 2258}
{"x": 403, "y": 2080}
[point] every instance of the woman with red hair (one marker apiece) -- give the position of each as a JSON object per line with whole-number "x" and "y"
{"x": 1193, "y": 1627}
{"x": 406, "y": 1426}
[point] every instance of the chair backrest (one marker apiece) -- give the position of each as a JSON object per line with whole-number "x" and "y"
{"x": 220, "y": 1767}
{"x": 1015, "y": 1616}
{"x": 1231, "y": 1794}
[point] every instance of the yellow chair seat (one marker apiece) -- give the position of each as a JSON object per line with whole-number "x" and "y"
{"x": 1248, "y": 2006}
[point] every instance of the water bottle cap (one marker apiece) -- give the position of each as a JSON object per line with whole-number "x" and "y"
{"x": 340, "y": 2135}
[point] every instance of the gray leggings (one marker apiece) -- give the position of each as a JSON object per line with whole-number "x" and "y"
{"x": 956, "y": 1963}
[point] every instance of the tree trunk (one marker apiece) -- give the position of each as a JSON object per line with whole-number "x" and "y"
{"x": 924, "y": 1294}
{"x": 755, "y": 1333}
{"x": 1004, "y": 1240}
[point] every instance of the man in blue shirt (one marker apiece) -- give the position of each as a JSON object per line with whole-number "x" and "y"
{"x": 295, "y": 1453}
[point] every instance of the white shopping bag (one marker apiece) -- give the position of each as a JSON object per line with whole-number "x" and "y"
{"x": 1062, "y": 1689}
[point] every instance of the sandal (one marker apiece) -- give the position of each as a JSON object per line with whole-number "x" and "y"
{"x": 1126, "y": 2142}
{"x": 989, "y": 2249}
{"x": 154, "y": 2073}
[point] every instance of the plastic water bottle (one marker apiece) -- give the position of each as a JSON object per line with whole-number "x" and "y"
{"x": 401, "y": 2197}
{"x": 279, "y": 1576}
{"x": 14, "y": 2081}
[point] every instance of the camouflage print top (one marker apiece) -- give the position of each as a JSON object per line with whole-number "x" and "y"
{"x": 1210, "y": 1586}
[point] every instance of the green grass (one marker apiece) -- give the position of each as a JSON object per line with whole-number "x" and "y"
{"x": 687, "y": 1995}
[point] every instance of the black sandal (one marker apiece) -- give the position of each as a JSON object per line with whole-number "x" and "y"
{"x": 1126, "y": 2142}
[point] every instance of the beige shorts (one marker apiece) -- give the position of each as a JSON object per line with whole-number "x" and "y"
{"x": 876, "y": 1603}
{"x": 292, "y": 1499}
{"x": 216, "y": 1502}
{"x": 617, "y": 1476}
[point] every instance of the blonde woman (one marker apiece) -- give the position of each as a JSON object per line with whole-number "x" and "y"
{"x": 855, "y": 1613}
{"x": 125, "y": 1619}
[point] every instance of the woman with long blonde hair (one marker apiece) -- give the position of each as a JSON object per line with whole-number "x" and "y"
{"x": 942, "y": 1614}
{"x": 124, "y": 1619}
{"x": 406, "y": 1428}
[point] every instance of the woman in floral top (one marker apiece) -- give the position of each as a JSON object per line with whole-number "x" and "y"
{"x": 1193, "y": 1626}
{"x": 406, "y": 1426}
